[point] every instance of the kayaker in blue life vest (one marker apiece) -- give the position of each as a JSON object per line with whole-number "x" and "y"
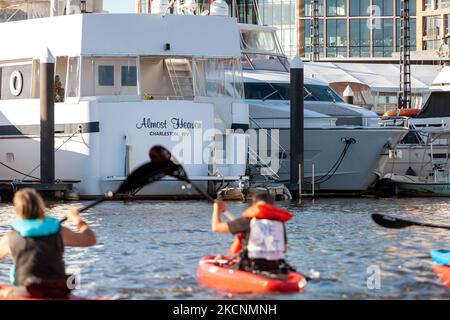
{"x": 260, "y": 234}
{"x": 36, "y": 245}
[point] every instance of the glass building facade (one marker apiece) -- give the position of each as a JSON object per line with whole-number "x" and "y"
{"x": 347, "y": 28}
{"x": 435, "y": 19}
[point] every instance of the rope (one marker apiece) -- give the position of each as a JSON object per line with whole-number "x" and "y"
{"x": 331, "y": 172}
{"x": 17, "y": 171}
{"x": 28, "y": 175}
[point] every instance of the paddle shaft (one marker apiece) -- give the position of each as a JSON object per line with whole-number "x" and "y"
{"x": 429, "y": 225}
{"x": 207, "y": 196}
{"x": 89, "y": 206}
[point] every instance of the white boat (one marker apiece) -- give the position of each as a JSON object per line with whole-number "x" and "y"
{"x": 343, "y": 143}
{"x": 434, "y": 182}
{"x": 413, "y": 154}
{"x": 125, "y": 83}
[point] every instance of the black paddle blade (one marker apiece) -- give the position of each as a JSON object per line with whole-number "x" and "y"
{"x": 391, "y": 222}
{"x": 160, "y": 154}
{"x": 145, "y": 174}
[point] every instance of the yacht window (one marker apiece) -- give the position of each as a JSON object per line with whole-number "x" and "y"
{"x": 281, "y": 91}
{"x": 266, "y": 62}
{"x": 259, "y": 40}
{"x": 266, "y": 91}
{"x": 322, "y": 93}
{"x": 105, "y": 75}
{"x": 246, "y": 65}
{"x": 218, "y": 78}
{"x": 129, "y": 76}
{"x": 73, "y": 77}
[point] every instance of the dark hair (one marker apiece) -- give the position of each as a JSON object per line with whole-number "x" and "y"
{"x": 159, "y": 153}
{"x": 263, "y": 196}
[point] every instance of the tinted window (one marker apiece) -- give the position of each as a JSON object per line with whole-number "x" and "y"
{"x": 260, "y": 91}
{"x": 266, "y": 62}
{"x": 280, "y": 91}
{"x": 129, "y": 76}
{"x": 321, "y": 93}
{"x": 105, "y": 75}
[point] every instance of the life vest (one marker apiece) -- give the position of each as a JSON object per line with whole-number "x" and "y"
{"x": 37, "y": 250}
{"x": 266, "y": 232}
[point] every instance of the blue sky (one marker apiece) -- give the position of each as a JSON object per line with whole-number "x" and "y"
{"x": 119, "y": 6}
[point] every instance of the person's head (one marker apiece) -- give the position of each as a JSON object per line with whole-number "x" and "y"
{"x": 159, "y": 153}
{"x": 263, "y": 196}
{"x": 29, "y": 204}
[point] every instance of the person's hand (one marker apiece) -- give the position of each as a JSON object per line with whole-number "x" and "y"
{"x": 220, "y": 206}
{"x": 74, "y": 217}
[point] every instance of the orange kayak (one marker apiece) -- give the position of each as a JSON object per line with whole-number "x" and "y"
{"x": 218, "y": 274}
{"x": 443, "y": 272}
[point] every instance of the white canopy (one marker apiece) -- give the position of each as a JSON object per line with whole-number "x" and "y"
{"x": 379, "y": 77}
{"x": 442, "y": 80}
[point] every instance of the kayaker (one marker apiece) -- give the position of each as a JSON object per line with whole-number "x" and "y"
{"x": 260, "y": 234}
{"x": 36, "y": 245}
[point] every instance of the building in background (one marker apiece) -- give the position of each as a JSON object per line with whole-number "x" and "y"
{"x": 433, "y": 20}
{"x": 347, "y": 28}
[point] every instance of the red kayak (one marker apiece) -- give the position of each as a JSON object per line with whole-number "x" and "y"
{"x": 71, "y": 297}
{"x": 218, "y": 274}
{"x": 443, "y": 273}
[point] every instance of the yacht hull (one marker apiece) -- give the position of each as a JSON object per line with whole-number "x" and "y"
{"x": 324, "y": 147}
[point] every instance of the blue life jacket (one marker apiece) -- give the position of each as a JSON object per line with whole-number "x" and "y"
{"x": 37, "y": 249}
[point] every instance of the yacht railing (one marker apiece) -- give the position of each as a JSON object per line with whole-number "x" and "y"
{"x": 343, "y": 121}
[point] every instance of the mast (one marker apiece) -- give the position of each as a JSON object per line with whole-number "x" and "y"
{"x": 314, "y": 31}
{"x": 405, "y": 56}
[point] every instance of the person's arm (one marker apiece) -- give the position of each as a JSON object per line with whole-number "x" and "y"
{"x": 4, "y": 247}
{"x": 85, "y": 237}
{"x": 217, "y": 225}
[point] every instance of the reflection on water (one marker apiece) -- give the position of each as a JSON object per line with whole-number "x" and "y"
{"x": 150, "y": 250}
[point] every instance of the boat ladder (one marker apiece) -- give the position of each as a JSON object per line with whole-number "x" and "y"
{"x": 180, "y": 74}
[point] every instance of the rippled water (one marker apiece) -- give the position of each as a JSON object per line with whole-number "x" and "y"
{"x": 150, "y": 250}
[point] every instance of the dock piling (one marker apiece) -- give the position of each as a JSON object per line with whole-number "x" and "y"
{"x": 297, "y": 166}
{"x": 47, "y": 144}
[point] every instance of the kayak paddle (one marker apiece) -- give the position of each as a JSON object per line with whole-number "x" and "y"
{"x": 397, "y": 223}
{"x": 140, "y": 177}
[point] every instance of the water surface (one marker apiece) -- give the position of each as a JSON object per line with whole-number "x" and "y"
{"x": 150, "y": 249}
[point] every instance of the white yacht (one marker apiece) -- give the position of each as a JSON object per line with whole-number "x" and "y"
{"x": 123, "y": 83}
{"x": 344, "y": 143}
{"x": 420, "y": 152}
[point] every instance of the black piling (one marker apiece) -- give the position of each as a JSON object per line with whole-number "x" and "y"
{"x": 297, "y": 163}
{"x": 47, "y": 67}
